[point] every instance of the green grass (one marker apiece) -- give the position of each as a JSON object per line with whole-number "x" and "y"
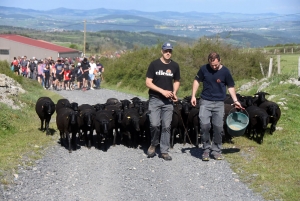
{"x": 21, "y": 141}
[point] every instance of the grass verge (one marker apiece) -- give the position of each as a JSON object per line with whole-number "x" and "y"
{"x": 21, "y": 141}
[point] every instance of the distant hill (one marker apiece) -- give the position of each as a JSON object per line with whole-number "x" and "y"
{"x": 254, "y": 30}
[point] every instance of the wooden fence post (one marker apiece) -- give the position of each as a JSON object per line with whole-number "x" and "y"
{"x": 278, "y": 64}
{"x": 299, "y": 69}
{"x": 262, "y": 70}
{"x": 270, "y": 67}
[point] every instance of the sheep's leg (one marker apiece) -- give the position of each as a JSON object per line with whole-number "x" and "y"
{"x": 74, "y": 140}
{"x": 197, "y": 136}
{"x": 129, "y": 139}
{"x": 99, "y": 139}
{"x": 115, "y": 138}
{"x": 184, "y": 136}
{"x": 42, "y": 124}
{"x": 69, "y": 141}
{"x": 61, "y": 138}
{"x": 273, "y": 128}
{"x": 172, "y": 138}
{"x": 90, "y": 138}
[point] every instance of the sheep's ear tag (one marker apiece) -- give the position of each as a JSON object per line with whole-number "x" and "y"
{"x": 67, "y": 117}
{"x": 128, "y": 117}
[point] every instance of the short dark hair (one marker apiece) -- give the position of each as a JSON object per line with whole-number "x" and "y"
{"x": 212, "y": 56}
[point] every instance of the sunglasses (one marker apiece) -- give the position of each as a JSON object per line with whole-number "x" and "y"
{"x": 165, "y": 51}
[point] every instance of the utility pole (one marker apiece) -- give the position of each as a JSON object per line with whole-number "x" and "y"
{"x": 84, "y": 35}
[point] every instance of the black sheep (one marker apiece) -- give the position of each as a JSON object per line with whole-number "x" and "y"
{"x": 258, "y": 121}
{"x": 65, "y": 103}
{"x": 44, "y": 108}
{"x": 104, "y": 124}
{"x": 273, "y": 111}
{"x": 85, "y": 123}
{"x": 260, "y": 98}
{"x": 176, "y": 123}
{"x": 144, "y": 121}
{"x": 130, "y": 126}
{"x": 228, "y": 108}
{"x": 190, "y": 116}
{"x": 62, "y": 103}
{"x": 67, "y": 124}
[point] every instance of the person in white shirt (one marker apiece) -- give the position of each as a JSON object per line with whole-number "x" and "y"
{"x": 91, "y": 73}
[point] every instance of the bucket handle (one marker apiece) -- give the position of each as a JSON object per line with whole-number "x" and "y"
{"x": 240, "y": 110}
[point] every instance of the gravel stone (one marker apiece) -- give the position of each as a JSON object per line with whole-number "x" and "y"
{"x": 124, "y": 173}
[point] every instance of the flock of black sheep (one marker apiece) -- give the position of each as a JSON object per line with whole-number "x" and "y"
{"x": 127, "y": 121}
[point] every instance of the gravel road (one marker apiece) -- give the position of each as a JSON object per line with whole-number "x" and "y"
{"x": 124, "y": 173}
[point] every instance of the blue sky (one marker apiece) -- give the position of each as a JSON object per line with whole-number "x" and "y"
{"x": 208, "y": 6}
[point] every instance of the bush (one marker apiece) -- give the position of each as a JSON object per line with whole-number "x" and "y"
{"x": 129, "y": 71}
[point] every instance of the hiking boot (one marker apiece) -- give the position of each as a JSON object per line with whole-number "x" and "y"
{"x": 205, "y": 156}
{"x": 218, "y": 156}
{"x": 166, "y": 157}
{"x": 151, "y": 151}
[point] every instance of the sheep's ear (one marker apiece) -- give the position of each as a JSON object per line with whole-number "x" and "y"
{"x": 255, "y": 116}
{"x": 42, "y": 106}
{"x": 67, "y": 117}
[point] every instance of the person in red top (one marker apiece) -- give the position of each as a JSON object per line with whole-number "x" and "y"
{"x": 67, "y": 73}
{"x": 16, "y": 67}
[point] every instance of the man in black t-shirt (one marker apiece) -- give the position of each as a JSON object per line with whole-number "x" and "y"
{"x": 163, "y": 77}
{"x": 85, "y": 67}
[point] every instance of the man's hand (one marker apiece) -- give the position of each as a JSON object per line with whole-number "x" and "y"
{"x": 167, "y": 94}
{"x": 238, "y": 105}
{"x": 193, "y": 101}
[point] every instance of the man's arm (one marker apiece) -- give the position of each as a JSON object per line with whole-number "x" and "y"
{"x": 194, "y": 91}
{"x": 176, "y": 85}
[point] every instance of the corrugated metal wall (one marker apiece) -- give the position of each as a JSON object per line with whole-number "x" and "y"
{"x": 20, "y": 49}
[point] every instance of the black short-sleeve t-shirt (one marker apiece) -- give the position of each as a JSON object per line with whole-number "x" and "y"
{"x": 163, "y": 75}
{"x": 214, "y": 82}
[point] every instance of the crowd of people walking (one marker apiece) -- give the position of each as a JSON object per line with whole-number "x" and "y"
{"x": 62, "y": 74}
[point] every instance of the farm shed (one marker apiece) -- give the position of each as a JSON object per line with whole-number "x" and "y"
{"x": 12, "y": 45}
